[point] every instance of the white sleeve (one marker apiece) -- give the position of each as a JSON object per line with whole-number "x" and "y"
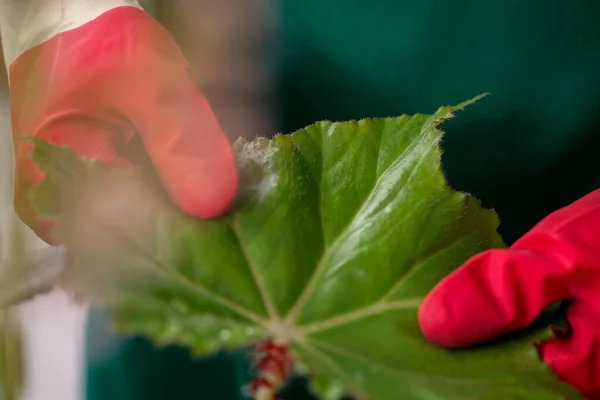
{"x": 27, "y": 23}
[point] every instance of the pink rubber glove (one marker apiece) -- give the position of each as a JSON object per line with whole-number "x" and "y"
{"x": 501, "y": 291}
{"x": 98, "y": 85}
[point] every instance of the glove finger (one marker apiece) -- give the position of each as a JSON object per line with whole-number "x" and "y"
{"x": 500, "y": 291}
{"x": 576, "y": 358}
{"x": 495, "y": 292}
{"x": 193, "y": 156}
{"x": 86, "y": 138}
{"x": 180, "y": 132}
{"x": 191, "y": 153}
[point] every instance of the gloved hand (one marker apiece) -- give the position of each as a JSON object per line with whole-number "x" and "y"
{"x": 101, "y": 84}
{"x": 500, "y": 291}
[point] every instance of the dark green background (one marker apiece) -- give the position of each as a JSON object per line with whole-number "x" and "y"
{"x": 527, "y": 149}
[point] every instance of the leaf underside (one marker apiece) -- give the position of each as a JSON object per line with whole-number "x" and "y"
{"x": 339, "y": 232}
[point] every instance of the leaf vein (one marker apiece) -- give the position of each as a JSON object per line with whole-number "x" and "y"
{"x": 157, "y": 262}
{"x": 415, "y": 267}
{"x": 374, "y": 309}
{"x": 304, "y": 296}
{"x": 264, "y": 293}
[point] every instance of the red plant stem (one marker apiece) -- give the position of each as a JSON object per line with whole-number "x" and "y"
{"x": 273, "y": 366}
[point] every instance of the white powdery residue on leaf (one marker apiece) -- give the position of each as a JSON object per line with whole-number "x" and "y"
{"x": 259, "y": 154}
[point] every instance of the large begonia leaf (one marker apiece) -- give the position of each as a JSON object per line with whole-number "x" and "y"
{"x": 339, "y": 232}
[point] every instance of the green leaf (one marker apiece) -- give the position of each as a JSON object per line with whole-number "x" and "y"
{"x": 339, "y": 232}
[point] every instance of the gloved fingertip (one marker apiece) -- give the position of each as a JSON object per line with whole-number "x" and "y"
{"x": 446, "y": 320}
{"x": 206, "y": 202}
{"x": 208, "y": 192}
{"x": 460, "y": 311}
{"x": 436, "y": 323}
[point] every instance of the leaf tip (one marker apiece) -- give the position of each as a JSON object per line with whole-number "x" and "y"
{"x": 445, "y": 113}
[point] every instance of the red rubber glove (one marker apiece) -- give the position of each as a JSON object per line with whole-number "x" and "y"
{"x": 500, "y": 291}
{"x": 95, "y": 87}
